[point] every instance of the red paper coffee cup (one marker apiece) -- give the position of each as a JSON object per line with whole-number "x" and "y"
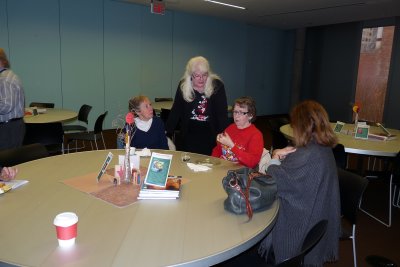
{"x": 66, "y": 227}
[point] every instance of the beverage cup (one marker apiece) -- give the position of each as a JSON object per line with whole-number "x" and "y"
{"x": 185, "y": 157}
{"x": 66, "y": 224}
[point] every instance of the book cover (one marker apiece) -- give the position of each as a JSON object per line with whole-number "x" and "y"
{"x": 158, "y": 169}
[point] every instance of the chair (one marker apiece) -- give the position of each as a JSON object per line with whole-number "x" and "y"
{"x": 83, "y": 115}
{"x": 15, "y": 156}
{"x": 313, "y": 236}
{"x": 163, "y": 99}
{"x": 352, "y": 187}
{"x": 340, "y": 156}
{"x": 278, "y": 139}
{"x": 41, "y": 105}
{"x": 92, "y": 136}
{"x": 51, "y": 135}
{"x": 393, "y": 176}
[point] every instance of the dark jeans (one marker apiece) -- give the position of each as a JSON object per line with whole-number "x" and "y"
{"x": 12, "y": 134}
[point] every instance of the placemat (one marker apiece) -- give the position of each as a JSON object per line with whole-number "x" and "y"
{"x": 118, "y": 195}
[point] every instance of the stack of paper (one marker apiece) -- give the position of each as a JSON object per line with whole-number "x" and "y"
{"x": 170, "y": 191}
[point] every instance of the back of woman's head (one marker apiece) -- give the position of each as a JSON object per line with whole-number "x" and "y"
{"x": 310, "y": 121}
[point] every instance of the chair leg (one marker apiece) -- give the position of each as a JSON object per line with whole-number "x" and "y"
{"x": 104, "y": 143}
{"x": 389, "y": 223}
{"x": 353, "y": 239}
{"x": 396, "y": 200}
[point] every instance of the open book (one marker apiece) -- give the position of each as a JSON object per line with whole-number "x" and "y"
{"x": 13, "y": 184}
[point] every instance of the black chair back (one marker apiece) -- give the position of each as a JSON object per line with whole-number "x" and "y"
{"x": 163, "y": 99}
{"x": 15, "y": 156}
{"x": 352, "y": 187}
{"x": 98, "y": 125}
{"x": 41, "y": 105}
{"x": 340, "y": 156}
{"x": 312, "y": 238}
{"x": 83, "y": 113}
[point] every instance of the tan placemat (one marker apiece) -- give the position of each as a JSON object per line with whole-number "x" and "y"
{"x": 120, "y": 196}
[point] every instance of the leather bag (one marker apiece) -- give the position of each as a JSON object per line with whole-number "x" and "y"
{"x": 248, "y": 191}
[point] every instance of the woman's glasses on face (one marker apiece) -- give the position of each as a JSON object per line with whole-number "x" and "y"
{"x": 240, "y": 113}
{"x": 199, "y": 76}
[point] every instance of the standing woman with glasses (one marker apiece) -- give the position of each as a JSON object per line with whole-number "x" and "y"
{"x": 241, "y": 142}
{"x": 200, "y": 107}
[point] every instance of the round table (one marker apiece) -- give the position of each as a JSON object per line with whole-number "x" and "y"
{"x": 194, "y": 230}
{"x": 52, "y": 115}
{"x": 352, "y": 145}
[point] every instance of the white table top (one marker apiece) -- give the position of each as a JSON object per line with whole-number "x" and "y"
{"x": 360, "y": 146}
{"x": 52, "y": 115}
{"x": 194, "y": 230}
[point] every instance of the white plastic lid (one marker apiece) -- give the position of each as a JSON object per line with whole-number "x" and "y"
{"x": 65, "y": 219}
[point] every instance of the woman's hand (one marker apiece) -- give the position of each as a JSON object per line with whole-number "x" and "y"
{"x": 8, "y": 173}
{"x": 225, "y": 139}
{"x": 282, "y": 153}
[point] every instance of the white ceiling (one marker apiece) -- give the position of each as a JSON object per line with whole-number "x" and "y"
{"x": 288, "y": 14}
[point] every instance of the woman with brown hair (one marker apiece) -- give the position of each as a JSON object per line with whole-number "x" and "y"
{"x": 241, "y": 141}
{"x": 308, "y": 188}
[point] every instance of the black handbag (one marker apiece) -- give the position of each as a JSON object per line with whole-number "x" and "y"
{"x": 248, "y": 191}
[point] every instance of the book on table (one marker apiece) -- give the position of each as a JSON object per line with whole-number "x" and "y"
{"x": 13, "y": 184}
{"x": 158, "y": 169}
{"x": 170, "y": 191}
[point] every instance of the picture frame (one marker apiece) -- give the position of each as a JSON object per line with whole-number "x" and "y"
{"x": 362, "y": 131}
{"x": 338, "y": 127}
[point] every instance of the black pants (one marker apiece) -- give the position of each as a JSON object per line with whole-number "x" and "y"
{"x": 12, "y": 134}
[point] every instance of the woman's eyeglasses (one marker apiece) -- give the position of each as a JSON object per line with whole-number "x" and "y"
{"x": 198, "y": 76}
{"x": 240, "y": 113}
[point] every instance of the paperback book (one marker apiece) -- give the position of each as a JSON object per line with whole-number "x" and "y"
{"x": 170, "y": 191}
{"x": 158, "y": 169}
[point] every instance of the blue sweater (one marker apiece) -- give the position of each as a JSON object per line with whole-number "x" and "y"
{"x": 154, "y": 138}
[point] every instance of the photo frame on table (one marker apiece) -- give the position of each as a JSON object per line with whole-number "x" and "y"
{"x": 105, "y": 165}
{"x": 362, "y": 131}
{"x": 338, "y": 127}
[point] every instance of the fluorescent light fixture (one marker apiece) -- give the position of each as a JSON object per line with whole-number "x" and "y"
{"x": 225, "y": 4}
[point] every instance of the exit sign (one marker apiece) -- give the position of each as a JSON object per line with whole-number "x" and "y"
{"x": 157, "y": 7}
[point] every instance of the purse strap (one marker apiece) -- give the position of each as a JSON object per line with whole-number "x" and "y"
{"x": 233, "y": 183}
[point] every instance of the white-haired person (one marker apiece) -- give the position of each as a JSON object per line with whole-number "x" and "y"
{"x": 200, "y": 107}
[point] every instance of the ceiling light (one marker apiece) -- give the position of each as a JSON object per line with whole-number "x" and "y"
{"x": 225, "y": 4}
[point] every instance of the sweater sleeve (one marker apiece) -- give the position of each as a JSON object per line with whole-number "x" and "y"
{"x": 252, "y": 155}
{"x": 176, "y": 111}
{"x": 217, "y": 151}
